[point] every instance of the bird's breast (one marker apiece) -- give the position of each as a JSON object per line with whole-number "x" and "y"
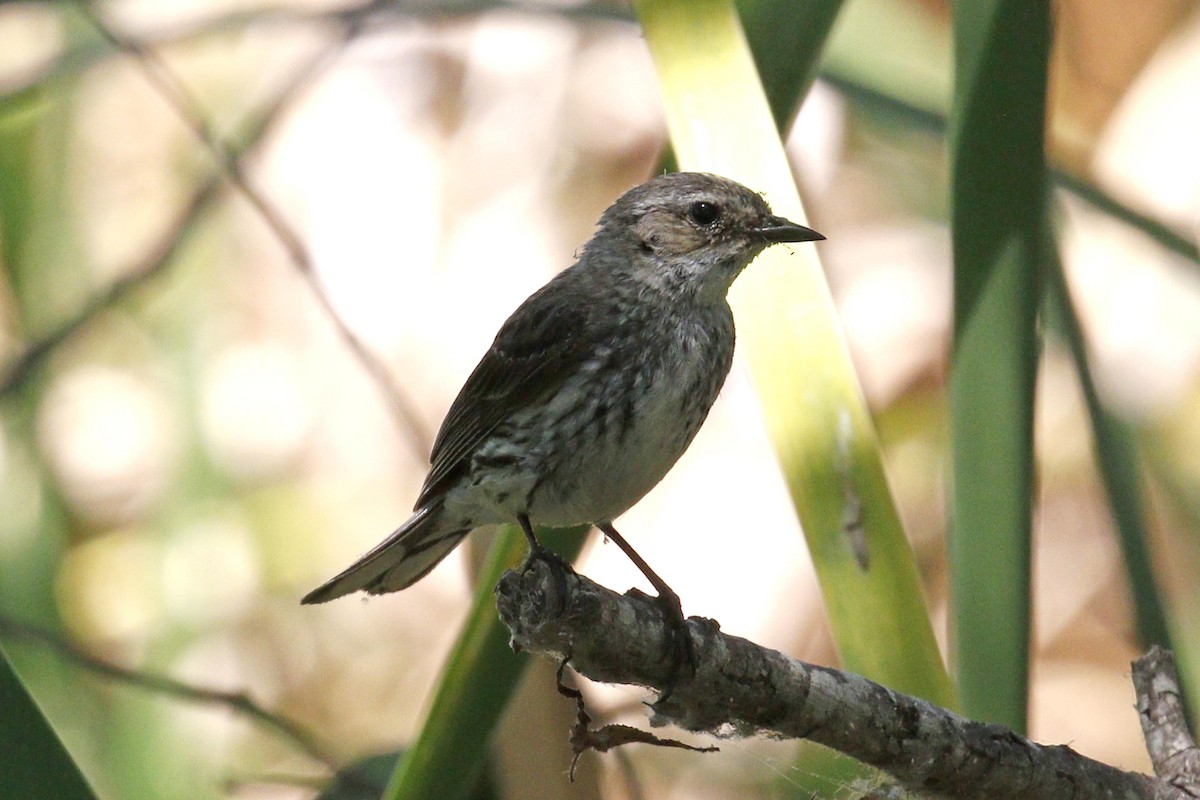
{"x": 626, "y": 417}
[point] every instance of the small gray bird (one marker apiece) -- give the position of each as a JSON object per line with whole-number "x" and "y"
{"x": 595, "y": 386}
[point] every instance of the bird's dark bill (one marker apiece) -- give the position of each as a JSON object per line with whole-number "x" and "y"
{"x": 779, "y": 229}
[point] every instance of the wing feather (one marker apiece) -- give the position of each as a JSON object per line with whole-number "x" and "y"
{"x": 544, "y": 342}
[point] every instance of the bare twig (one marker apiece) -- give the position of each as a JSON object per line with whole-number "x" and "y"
{"x": 740, "y": 688}
{"x": 177, "y": 95}
{"x": 1090, "y": 193}
{"x": 236, "y": 701}
{"x": 154, "y": 261}
{"x": 81, "y": 55}
{"x": 584, "y": 737}
{"x": 159, "y": 257}
{"x": 1171, "y": 745}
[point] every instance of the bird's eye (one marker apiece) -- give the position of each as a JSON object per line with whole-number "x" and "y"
{"x": 704, "y": 213}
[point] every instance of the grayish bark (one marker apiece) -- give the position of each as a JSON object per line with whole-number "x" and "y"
{"x": 1171, "y": 746}
{"x": 742, "y": 689}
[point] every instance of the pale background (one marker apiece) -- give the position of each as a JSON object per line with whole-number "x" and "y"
{"x": 200, "y": 456}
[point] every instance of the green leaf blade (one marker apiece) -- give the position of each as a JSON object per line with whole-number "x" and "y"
{"x": 35, "y": 762}
{"x": 481, "y": 675}
{"x": 999, "y": 179}
{"x": 815, "y": 412}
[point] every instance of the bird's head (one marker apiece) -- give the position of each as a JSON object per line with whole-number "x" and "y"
{"x": 689, "y": 234}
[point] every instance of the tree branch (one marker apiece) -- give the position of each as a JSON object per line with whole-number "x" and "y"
{"x": 162, "y": 254}
{"x": 187, "y": 107}
{"x": 1160, "y": 709}
{"x": 742, "y": 689}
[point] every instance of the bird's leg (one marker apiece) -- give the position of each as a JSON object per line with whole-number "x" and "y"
{"x": 669, "y": 602}
{"x": 558, "y": 567}
{"x": 536, "y": 551}
{"x": 527, "y": 528}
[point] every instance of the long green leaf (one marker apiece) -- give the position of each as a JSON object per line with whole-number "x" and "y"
{"x": 1117, "y": 458}
{"x": 787, "y": 39}
{"x": 999, "y": 174}
{"x": 33, "y": 762}
{"x": 481, "y": 674}
{"x": 818, "y": 421}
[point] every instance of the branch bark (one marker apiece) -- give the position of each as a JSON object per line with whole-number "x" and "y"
{"x": 742, "y": 689}
{"x": 1160, "y": 709}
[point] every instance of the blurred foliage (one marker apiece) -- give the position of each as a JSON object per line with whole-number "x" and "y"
{"x": 1116, "y": 453}
{"x": 364, "y": 779}
{"x": 449, "y": 757}
{"x": 178, "y": 458}
{"x": 32, "y": 756}
{"x": 1002, "y": 50}
{"x": 720, "y": 122}
{"x": 367, "y": 778}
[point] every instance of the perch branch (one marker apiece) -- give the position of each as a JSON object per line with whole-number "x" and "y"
{"x": 742, "y": 689}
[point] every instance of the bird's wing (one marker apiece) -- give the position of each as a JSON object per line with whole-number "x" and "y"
{"x": 542, "y": 343}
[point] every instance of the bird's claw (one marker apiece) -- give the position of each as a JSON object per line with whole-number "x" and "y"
{"x": 683, "y": 650}
{"x": 546, "y": 555}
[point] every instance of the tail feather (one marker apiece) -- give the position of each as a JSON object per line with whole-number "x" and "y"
{"x": 397, "y": 562}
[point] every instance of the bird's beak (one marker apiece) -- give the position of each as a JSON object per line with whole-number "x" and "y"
{"x": 779, "y": 230}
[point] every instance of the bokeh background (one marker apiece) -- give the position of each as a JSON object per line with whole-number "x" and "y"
{"x": 189, "y": 441}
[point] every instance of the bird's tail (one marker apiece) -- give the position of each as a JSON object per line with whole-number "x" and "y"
{"x": 397, "y": 562}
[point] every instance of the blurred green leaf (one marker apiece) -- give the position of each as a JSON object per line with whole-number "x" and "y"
{"x": 1176, "y": 481}
{"x": 34, "y": 232}
{"x": 999, "y": 176}
{"x": 814, "y": 409}
{"x": 364, "y": 779}
{"x": 787, "y": 38}
{"x": 18, "y": 126}
{"x": 899, "y": 50}
{"x": 33, "y": 762}
{"x": 1116, "y": 456}
{"x": 367, "y": 778}
{"x": 481, "y": 674}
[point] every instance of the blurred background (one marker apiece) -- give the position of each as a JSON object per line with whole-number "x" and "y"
{"x": 190, "y": 442}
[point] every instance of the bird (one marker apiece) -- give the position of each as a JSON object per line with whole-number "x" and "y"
{"x": 594, "y": 387}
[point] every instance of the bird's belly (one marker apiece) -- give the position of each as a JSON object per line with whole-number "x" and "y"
{"x": 608, "y": 458}
{"x": 599, "y": 483}
{"x": 604, "y": 439}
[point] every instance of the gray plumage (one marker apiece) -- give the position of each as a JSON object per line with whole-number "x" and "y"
{"x": 596, "y": 384}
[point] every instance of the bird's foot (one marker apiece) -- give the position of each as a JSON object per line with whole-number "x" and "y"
{"x": 682, "y": 650}
{"x": 558, "y": 566}
{"x": 536, "y": 551}
{"x": 546, "y": 555}
{"x": 679, "y": 639}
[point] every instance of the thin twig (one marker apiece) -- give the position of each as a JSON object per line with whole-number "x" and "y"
{"x": 85, "y": 54}
{"x": 1160, "y": 706}
{"x": 161, "y": 255}
{"x": 154, "y": 261}
{"x": 81, "y": 55}
{"x": 1091, "y": 194}
{"x": 236, "y": 701}
{"x": 185, "y": 104}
